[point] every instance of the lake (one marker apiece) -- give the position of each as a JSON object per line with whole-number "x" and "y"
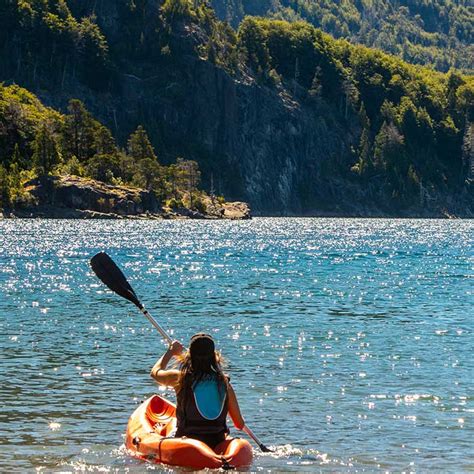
{"x": 349, "y": 341}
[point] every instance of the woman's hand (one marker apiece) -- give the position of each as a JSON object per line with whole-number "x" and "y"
{"x": 159, "y": 372}
{"x": 175, "y": 348}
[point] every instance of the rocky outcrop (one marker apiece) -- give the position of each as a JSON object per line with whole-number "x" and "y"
{"x": 73, "y": 192}
{"x": 236, "y": 210}
{"x": 71, "y": 197}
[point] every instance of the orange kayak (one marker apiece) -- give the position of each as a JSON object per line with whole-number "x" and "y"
{"x": 148, "y": 437}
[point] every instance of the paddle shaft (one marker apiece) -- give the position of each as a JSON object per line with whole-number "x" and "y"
{"x": 153, "y": 321}
{"x": 247, "y": 430}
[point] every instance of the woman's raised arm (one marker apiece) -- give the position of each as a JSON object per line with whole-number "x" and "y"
{"x": 159, "y": 372}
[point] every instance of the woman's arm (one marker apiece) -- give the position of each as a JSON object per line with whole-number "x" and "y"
{"x": 159, "y": 372}
{"x": 234, "y": 409}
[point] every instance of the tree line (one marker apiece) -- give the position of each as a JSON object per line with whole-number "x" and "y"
{"x": 38, "y": 141}
{"x": 438, "y": 33}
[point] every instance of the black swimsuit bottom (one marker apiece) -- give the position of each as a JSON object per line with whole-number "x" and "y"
{"x": 212, "y": 440}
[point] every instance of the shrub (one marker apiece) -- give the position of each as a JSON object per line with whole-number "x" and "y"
{"x": 199, "y": 205}
{"x": 174, "y": 203}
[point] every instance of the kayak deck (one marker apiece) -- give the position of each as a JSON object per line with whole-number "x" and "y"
{"x": 149, "y": 437}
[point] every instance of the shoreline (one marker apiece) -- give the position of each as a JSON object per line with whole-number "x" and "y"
{"x": 232, "y": 211}
{"x": 87, "y": 214}
{"x": 73, "y": 197}
{"x": 381, "y": 215}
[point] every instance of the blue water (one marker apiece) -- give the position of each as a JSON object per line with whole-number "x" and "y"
{"x": 349, "y": 342}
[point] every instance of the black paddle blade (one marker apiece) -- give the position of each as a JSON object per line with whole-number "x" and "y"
{"x": 264, "y": 449}
{"x": 108, "y": 272}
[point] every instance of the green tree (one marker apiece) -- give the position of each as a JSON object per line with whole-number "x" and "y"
{"x": 172, "y": 173}
{"x": 79, "y": 132}
{"x": 46, "y": 153}
{"x": 104, "y": 142}
{"x": 389, "y": 147}
{"x": 252, "y": 42}
{"x": 16, "y": 157}
{"x": 139, "y": 146}
{"x": 103, "y": 167}
{"x": 93, "y": 51}
{"x": 14, "y": 176}
{"x": 189, "y": 177}
{"x": 465, "y": 100}
{"x": 454, "y": 81}
{"x": 365, "y": 147}
{"x": 149, "y": 174}
{"x": 174, "y": 10}
{"x": 5, "y": 196}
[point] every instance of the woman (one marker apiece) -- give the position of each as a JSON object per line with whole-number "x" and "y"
{"x": 204, "y": 393}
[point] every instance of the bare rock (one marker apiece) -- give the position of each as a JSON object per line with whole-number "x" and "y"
{"x": 236, "y": 210}
{"x": 73, "y": 197}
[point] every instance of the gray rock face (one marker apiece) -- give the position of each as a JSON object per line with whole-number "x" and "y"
{"x": 262, "y": 146}
{"x": 72, "y": 192}
{"x": 259, "y": 145}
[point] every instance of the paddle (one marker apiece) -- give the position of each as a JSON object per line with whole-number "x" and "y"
{"x": 110, "y": 274}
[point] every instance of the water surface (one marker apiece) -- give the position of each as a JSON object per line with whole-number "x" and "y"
{"x": 349, "y": 341}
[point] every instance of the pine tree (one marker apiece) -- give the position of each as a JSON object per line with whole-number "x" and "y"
{"x": 139, "y": 146}
{"x": 149, "y": 174}
{"x": 45, "y": 150}
{"x": 104, "y": 142}
{"x": 79, "y": 132}
{"x": 455, "y": 80}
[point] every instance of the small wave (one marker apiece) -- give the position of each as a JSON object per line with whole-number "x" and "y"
{"x": 301, "y": 457}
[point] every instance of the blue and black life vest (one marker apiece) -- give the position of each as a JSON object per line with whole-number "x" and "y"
{"x": 202, "y": 412}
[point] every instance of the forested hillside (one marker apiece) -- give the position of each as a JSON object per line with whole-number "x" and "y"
{"x": 275, "y": 113}
{"x": 438, "y": 33}
{"x": 38, "y": 141}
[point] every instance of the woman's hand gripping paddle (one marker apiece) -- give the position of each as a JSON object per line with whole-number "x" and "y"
{"x": 110, "y": 274}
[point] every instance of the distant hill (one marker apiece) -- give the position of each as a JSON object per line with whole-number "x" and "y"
{"x": 431, "y": 32}
{"x": 277, "y": 114}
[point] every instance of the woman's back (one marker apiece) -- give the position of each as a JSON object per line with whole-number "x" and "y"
{"x": 202, "y": 411}
{"x": 204, "y": 395}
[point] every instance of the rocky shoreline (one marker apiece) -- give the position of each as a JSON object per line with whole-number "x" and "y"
{"x": 73, "y": 197}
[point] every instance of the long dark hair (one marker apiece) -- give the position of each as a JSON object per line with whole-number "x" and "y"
{"x": 194, "y": 368}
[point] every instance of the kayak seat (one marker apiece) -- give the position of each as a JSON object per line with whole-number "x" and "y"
{"x": 162, "y": 416}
